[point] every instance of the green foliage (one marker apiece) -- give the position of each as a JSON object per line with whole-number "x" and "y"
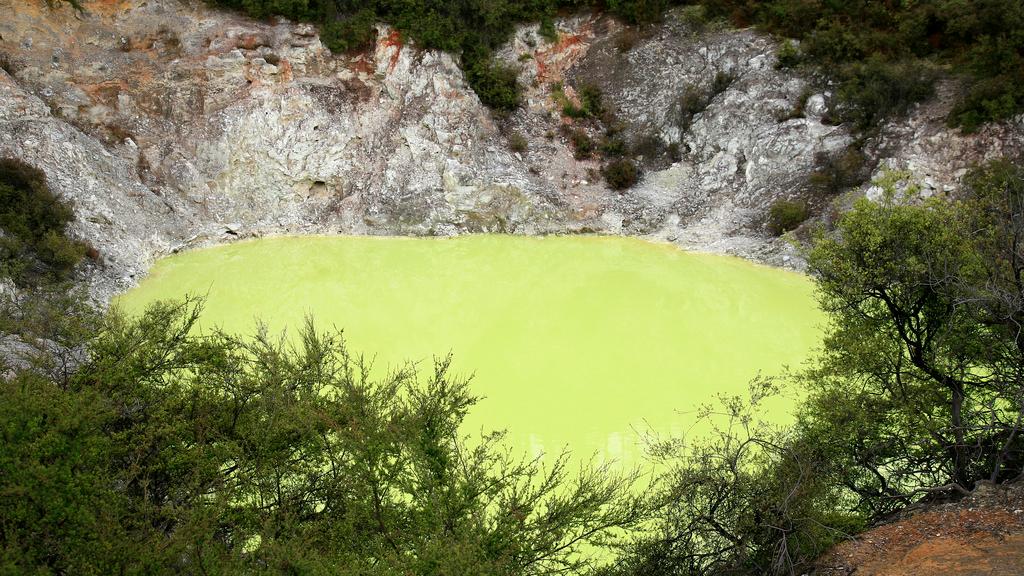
{"x": 874, "y": 90}
{"x": 918, "y": 391}
{"x": 517, "y": 143}
{"x": 495, "y": 83}
{"x": 613, "y": 147}
{"x": 786, "y": 215}
{"x": 168, "y": 452}
{"x": 637, "y": 11}
{"x": 981, "y": 39}
{"x": 998, "y": 98}
{"x": 547, "y": 29}
{"x": 621, "y": 174}
{"x": 750, "y": 498}
{"x": 788, "y": 55}
{"x": 591, "y": 102}
{"x": 839, "y": 171}
{"x": 914, "y": 291}
{"x": 33, "y": 247}
{"x": 582, "y": 144}
{"x": 355, "y": 32}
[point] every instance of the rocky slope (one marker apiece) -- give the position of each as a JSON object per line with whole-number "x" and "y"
{"x": 171, "y": 125}
{"x": 981, "y": 535}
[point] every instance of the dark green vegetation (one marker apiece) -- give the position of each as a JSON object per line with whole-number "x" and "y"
{"x": 786, "y": 215}
{"x": 917, "y": 394}
{"x": 881, "y": 53}
{"x": 33, "y": 247}
{"x": 134, "y": 446}
{"x": 883, "y": 56}
{"x": 621, "y": 174}
{"x": 169, "y": 453}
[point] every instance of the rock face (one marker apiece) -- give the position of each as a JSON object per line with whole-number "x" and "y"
{"x": 170, "y": 125}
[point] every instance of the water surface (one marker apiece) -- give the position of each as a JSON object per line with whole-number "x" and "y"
{"x": 573, "y": 341}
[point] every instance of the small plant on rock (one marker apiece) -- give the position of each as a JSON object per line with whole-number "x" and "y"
{"x": 786, "y": 215}
{"x": 621, "y": 174}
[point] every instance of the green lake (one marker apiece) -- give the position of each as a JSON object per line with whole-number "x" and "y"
{"x": 585, "y": 342}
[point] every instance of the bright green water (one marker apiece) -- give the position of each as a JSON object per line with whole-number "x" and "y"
{"x": 578, "y": 341}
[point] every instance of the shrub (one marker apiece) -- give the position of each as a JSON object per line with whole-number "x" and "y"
{"x": 614, "y": 146}
{"x": 696, "y": 100}
{"x": 353, "y": 33}
{"x": 675, "y": 152}
{"x": 547, "y": 29}
{"x": 621, "y": 174}
{"x": 876, "y": 89}
{"x": 582, "y": 144}
{"x": 786, "y": 215}
{"x": 788, "y": 55}
{"x": 517, "y": 142}
{"x": 33, "y": 247}
{"x": 496, "y": 84}
{"x": 591, "y": 102}
{"x": 993, "y": 99}
{"x": 172, "y": 452}
{"x": 840, "y": 171}
{"x": 638, "y": 11}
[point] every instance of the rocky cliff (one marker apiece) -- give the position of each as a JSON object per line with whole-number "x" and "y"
{"x": 171, "y": 125}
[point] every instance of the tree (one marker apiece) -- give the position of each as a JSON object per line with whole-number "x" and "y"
{"x": 916, "y": 393}
{"x": 169, "y": 451}
{"x": 751, "y": 497}
{"x": 911, "y": 291}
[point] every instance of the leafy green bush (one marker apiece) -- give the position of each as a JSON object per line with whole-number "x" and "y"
{"x": 875, "y": 90}
{"x": 547, "y": 29}
{"x": 591, "y": 102}
{"x": 786, "y": 215}
{"x": 170, "y": 452}
{"x": 581, "y": 143}
{"x": 352, "y": 33}
{"x": 612, "y": 147}
{"x": 916, "y": 393}
{"x": 33, "y": 247}
{"x": 788, "y": 55}
{"x": 496, "y": 84}
{"x": 621, "y": 174}
{"x": 979, "y": 39}
{"x": 748, "y": 499}
{"x": 638, "y": 11}
{"x": 998, "y": 98}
